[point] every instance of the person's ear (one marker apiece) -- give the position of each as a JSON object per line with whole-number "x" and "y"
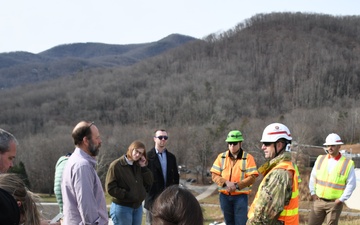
{"x": 19, "y": 203}
{"x": 85, "y": 140}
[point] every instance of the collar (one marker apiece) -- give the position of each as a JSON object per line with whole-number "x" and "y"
{"x": 237, "y": 154}
{"x": 267, "y": 166}
{"x": 86, "y": 156}
{"x": 336, "y": 158}
{"x": 157, "y": 151}
{"x": 130, "y": 162}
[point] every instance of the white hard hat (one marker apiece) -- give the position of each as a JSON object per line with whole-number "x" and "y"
{"x": 274, "y": 132}
{"x": 333, "y": 139}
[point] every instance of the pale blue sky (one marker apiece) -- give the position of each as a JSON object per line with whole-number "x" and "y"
{"x": 37, "y": 25}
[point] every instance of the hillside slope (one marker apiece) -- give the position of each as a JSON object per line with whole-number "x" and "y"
{"x": 19, "y": 68}
{"x": 299, "y": 69}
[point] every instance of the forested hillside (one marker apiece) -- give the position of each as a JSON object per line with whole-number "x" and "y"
{"x": 299, "y": 69}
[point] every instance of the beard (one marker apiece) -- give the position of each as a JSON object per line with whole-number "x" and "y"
{"x": 94, "y": 150}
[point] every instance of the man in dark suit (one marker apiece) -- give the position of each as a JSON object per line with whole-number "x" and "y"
{"x": 163, "y": 165}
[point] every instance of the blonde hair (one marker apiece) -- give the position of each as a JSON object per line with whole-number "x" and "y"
{"x": 13, "y": 184}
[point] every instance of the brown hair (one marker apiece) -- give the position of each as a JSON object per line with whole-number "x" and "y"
{"x": 13, "y": 184}
{"x": 162, "y": 130}
{"x": 176, "y": 206}
{"x": 82, "y": 130}
{"x": 135, "y": 145}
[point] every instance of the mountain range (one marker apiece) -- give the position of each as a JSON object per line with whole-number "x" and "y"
{"x": 300, "y": 69}
{"x": 18, "y": 68}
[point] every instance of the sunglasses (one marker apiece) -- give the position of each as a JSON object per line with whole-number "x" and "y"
{"x": 267, "y": 143}
{"x": 234, "y": 136}
{"x": 162, "y": 137}
{"x": 233, "y": 143}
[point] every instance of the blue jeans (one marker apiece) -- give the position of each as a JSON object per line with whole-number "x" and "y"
{"x": 122, "y": 215}
{"x": 234, "y": 208}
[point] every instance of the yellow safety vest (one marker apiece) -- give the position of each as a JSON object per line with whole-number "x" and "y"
{"x": 331, "y": 185}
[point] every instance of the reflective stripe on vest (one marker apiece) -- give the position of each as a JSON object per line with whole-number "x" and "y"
{"x": 245, "y": 190}
{"x": 290, "y": 214}
{"x": 331, "y": 185}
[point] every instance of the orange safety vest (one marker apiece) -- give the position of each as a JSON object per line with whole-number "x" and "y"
{"x": 290, "y": 214}
{"x": 243, "y": 168}
{"x": 331, "y": 185}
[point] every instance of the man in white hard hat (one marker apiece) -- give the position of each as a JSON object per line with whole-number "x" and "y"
{"x": 332, "y": 182}
{"x": 277, "y": 199}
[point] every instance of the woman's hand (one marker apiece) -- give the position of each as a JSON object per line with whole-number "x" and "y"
{"x": 142, "y": 161}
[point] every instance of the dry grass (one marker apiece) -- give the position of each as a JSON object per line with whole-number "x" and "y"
{"x": 212, "y": 211}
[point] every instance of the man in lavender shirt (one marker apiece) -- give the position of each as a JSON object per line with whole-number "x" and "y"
{"x": 83, "y": 195}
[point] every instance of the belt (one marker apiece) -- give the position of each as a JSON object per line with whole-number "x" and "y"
{"x": 328, "y": 200}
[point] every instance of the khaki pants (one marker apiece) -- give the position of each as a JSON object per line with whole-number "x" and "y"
{"x": 325, "y": 209}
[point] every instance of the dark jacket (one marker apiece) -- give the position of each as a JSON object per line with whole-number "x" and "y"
{"x": 127, "y": 184}
{"x": 172, "y": 175}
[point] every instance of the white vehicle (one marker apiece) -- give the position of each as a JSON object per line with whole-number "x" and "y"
{"x": 354, "y": 201}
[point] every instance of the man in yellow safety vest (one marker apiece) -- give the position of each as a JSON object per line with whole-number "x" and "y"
{"x": 332, "y": 182}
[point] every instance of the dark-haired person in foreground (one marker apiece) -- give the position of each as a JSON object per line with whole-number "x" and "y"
{"x": 163, "y": 165}
{"x": 9, "y": 210}
{"x": 82, "y": 192}
{"x": 178, "y": 206}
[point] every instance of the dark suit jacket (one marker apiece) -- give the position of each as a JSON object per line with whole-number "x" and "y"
{"x": 172, "y": 175}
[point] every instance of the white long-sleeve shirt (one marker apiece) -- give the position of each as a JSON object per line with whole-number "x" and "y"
{"x": 350, "y": 181}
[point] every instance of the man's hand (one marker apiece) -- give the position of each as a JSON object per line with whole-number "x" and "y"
{"x": 337, "y": 201}
{"x": 314, "y": 197}
{"x": 230, "y": 186}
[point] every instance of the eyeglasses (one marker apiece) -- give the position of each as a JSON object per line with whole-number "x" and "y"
{"x": 162, "y": 137}
{"x": 138, "y": 152}
{"x": 87, "y": 130}
{"x": 267, "y": 144}
{"x": 233, "y": 143}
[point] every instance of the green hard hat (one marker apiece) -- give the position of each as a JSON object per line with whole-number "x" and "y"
{"x": 234, "y": 136}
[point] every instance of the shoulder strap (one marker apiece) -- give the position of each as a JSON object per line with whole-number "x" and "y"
{"x": 243, "y": 156}
{"x": 223, "y": 157}
{"x": 321, "y": 159}
{"x": 243, "y": 164}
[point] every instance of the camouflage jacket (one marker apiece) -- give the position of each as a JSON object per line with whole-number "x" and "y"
{"x": 274, "y": 195}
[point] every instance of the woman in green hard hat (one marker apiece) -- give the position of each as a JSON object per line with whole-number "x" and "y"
{"x": 234, "y": 171}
